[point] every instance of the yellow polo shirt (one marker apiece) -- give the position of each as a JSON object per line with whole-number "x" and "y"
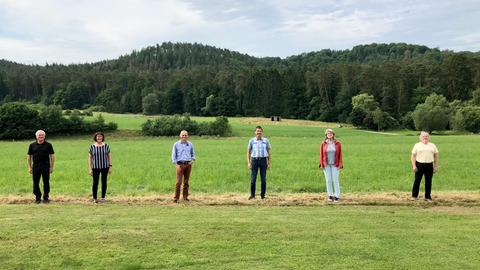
{"x": 424, "y": 152}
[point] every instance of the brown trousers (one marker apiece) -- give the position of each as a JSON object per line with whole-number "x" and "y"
{"x": 183, "y": 171}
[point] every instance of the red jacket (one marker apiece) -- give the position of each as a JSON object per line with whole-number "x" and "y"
{"x": 338, "y": 154}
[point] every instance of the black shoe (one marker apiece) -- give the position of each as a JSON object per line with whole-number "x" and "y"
{"x": 175, "y": 200}
{"x": 186, "y": 199}
{"x": 251, "y": 197}
{"x": 38, "y": 201}
{"x": 263, "y": 198}
{"x": 47, "y": 201}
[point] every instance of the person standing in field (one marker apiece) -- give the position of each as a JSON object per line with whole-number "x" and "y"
{"x": 183, "y": 155}
{"x": 99, "y": 163}
{"x": 258, "y": 157}
{"x": 331, "y": 163}
{"x": 41, "y": 160}
{"x": 424, "y": 161}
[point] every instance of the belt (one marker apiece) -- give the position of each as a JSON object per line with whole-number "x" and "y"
{"x": 258, "y": 158}
{"x": 183, "y": 162}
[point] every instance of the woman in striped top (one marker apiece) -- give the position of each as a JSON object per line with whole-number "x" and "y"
{"x": 99, "y": 162}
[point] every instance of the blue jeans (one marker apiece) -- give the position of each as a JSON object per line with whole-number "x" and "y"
{"x": 332, "y": 174}
{"x": 258, "y": 164}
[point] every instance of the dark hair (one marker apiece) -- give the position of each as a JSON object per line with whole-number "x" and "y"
{"x": 98, "y": 133}
{"x": 259, "y": 127}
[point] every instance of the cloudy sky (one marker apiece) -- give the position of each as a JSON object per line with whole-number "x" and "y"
{"x": 78, "y": 31}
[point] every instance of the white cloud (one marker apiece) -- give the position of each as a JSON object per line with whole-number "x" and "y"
{"x": 73, "y": 31}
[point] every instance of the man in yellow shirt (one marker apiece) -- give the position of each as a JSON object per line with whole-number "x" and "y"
{"x": 424, "y": 160}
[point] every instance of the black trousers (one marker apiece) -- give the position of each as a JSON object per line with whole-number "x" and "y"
{"x": 427, "y": 170}
{"x": 258, "y": 164}
{"x": 96, "y": 173}
{"x": 41, "y": 171}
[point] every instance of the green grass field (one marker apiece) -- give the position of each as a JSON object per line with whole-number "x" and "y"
{"x": 303, "y": 233}
{"x": 235, "y": 237}
{"x": 373, "y": 162}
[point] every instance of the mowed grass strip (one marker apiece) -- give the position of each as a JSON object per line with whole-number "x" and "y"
{"x": 110, "y": 236}
{"x": 448, "y": 198}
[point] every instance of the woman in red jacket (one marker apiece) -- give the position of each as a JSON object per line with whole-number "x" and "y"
{"x": 331, "y": 163}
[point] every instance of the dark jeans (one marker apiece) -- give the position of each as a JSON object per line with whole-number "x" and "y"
{"x": 182, "y": 171}
{"x": 43, "y": 171}
{"x": 427, "y": 170}
{"x": 96, "y": 173}
{"x": 258, "y": 164}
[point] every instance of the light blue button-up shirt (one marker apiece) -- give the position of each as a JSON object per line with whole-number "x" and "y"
{"x": 259, "y": 148}
{"x": 182, "y": 152}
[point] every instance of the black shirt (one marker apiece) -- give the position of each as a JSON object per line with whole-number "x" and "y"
{"x": 41, "y": 152}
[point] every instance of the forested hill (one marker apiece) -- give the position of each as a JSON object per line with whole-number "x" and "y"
{"x": 204, "y": 80}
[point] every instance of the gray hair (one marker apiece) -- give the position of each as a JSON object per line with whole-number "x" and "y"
{"x": 40, "y": 132}
{"x": 423, "y": 133}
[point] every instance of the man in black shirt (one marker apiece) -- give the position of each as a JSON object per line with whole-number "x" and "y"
{"x": 43, "y": 157}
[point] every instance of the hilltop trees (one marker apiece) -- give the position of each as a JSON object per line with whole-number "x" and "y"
{"x": 177, "y": 78}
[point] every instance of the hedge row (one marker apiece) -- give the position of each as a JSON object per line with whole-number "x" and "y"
{"x": 172, "y": 125}
{"x": 20, "y": 121}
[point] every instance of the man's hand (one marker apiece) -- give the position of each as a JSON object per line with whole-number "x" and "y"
{"x": 414, "y": 168}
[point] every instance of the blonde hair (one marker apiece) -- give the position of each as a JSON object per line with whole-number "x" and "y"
{"x": 329, "y": 130}
{"x": 183, "y": 132}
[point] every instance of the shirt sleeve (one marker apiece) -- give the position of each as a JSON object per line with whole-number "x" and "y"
{"x": 414, "y": 149}
{"x": 51, "y": 152}
{"x": 107, "y": 147}
{"x": 192, "y": 152}
{"x": 30, "y": 150}
{"x": 269, "y": 146}
{"x": 174, "y": 154}
{"x": 435, "y": 149}
{"x": 249, "y": 146}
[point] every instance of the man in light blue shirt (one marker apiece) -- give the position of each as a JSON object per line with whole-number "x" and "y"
{"x": 258, "y": 157}
{"x": 183, "y": 156}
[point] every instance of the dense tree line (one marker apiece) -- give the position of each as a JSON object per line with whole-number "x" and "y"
{"x": 176, "y": 78}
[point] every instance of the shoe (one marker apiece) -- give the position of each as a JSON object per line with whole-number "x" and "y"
{"x": 175, "y": 200}
{"x": 428, "y": 200}
{"x": 413, "y": 198}
{"x": 38, "y": 201}
{"x": 103, "y": 200}
{"x": 95, "y": 201}
{"x": 330, "y": 198}
{"x": 46, "y": 201}
{"x": 263, "y": 198}
{"x": 336, "y": 200}
{"x": 251, "y": 197}
{"x": 186, "y": 199}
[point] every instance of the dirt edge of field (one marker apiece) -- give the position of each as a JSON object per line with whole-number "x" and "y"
{"x": 466, "y": 199}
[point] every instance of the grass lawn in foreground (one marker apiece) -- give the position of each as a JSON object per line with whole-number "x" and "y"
{"x": 109, "y": 236}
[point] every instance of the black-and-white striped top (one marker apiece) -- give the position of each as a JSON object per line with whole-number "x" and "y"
{"x": 99, "y": 156}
